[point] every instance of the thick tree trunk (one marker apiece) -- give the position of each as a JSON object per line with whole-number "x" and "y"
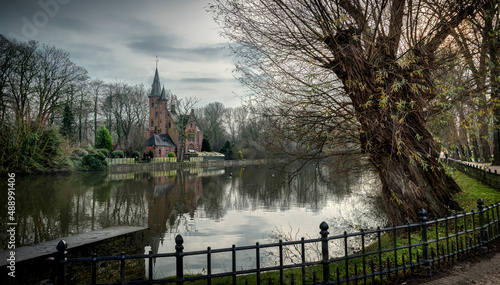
{"x": 397, "y": 141}
{"x": 409, "y": 185}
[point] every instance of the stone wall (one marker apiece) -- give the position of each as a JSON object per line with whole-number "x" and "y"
{"x": 38, "y": 270}
{"x": 109, "y": 271}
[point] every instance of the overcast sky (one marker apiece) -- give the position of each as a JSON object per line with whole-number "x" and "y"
{"x": 120, "y": 39}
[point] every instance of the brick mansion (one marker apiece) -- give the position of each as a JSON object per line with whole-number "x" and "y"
{"x": 165, "y": 124}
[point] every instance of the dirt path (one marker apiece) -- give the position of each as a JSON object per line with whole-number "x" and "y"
{"x": 485, "y": 271}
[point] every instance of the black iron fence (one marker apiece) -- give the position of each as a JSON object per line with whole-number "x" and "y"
{"x": 367, "y": 256}
{"x": 478, "y": 172}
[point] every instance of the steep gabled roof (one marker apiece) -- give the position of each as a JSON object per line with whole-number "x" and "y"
{"x": 159, "y": 140}
{"x": 185, "y": 119}
{"x": 156, "y": 87}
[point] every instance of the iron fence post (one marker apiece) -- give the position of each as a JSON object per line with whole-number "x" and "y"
{"x": 324, "y": 250}
{"x": 179, "y": 266}
{"x": 60, "y": 258}
{"x": 484, "y": 237}
{"x": 422, "y": 216}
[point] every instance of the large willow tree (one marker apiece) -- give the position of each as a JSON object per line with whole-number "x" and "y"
{"x": 329, "y": 75}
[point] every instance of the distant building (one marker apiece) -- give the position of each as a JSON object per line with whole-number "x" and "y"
{"x": 163, "y": 135}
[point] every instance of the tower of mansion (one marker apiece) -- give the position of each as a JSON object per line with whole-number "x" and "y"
{"x": 165, "y": 124}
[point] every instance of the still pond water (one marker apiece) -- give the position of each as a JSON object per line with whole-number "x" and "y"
{"x": 208, "y": 207}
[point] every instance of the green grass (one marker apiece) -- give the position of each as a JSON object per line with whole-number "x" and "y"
{"x": 472, "y": 190}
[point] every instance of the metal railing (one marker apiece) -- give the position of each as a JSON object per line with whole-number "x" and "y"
{"x": 481, "y": 173}
{"x": 396, "y": 252}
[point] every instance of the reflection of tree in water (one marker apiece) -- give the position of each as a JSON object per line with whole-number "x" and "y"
{"x": 214, "y": 196}
{"x": 354, "y": 189}
{"x": 280, "y": 189}
{"x": 54, "y": 206}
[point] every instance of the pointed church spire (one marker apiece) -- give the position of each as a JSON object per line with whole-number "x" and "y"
{"x": 155, "y": 87}
{"x": 162, "y": 96}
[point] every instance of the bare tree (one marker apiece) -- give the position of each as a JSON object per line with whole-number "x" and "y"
{"x": 56, "y": 73}
{"x": 214, "y": 122}
{"x": 126, "y": 109}
{"x": 6, "y": 61}
{"x": 240, "y": 117}
{"x": 106, "y": 107}
{"x": 330, "y": 73}
{"x": 474, "y": 41}
{"x": 20, "y": 78}
{"x": 231, "y": 123}
{"x": 181, "y": 114}
{"x": 95, "y": 89}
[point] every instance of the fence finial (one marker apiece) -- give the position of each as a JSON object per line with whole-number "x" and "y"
{"x": 60, "y": 257}
{"x": 178, "y": 243}
{"x": 324, "y": 227}
{"x": 480, "y": 204}
{"x": 422, "y": 215}
{"x": 62, "y": 246}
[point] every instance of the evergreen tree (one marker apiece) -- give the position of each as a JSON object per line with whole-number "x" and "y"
{"x": 227, "y": 150}
{"x": 68, "y": 122}
{"x": 205, "y": 145}
{"x": 103, "y": 139}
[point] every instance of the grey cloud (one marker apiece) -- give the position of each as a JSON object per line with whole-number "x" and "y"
{"x": 204, "y": 80}
{"x": 164, "y": 46}
{"x": 74, "y": 25}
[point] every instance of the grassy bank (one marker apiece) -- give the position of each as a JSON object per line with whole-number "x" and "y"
{"x": 472, "y": 190}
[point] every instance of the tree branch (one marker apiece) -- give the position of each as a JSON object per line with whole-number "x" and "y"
{"x": 446, "y": 27}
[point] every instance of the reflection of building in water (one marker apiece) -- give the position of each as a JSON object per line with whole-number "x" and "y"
{"x": 171, "y": 195}
{"x": 206, "y": 172}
